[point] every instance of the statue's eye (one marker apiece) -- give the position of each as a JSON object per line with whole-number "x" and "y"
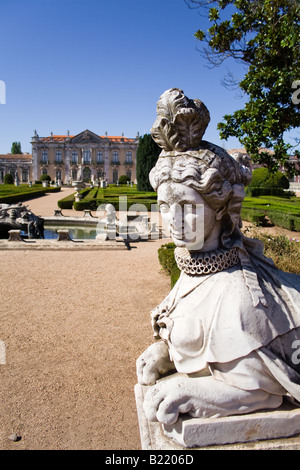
{"x": 164, "y": 208}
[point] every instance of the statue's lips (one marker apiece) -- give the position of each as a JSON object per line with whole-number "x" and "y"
{"x": 180, "y": 235}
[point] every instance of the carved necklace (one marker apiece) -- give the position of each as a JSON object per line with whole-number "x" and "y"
{"x": 205, "y": 263}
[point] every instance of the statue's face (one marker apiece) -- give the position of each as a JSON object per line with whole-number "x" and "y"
{"x": 185, "y": 213}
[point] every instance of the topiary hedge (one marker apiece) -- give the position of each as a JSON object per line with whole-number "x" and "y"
{"x": 255, "y": 216}
{"x": 167, "y": 260}
{"x": 92, "y": 198}
{"x": 26, "y": 195}
{"x": 8, "y": 179}
{"x": 285, "y": 220}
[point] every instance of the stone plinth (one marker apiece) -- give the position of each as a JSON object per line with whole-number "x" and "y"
{"x": 14, "y": 236}
{"x": 63, "y": 236}
{"x": 73, "y": 245}
{"x": 270, "y": 430}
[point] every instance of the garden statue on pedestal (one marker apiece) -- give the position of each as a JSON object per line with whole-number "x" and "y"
{"x": 229, "y": 330}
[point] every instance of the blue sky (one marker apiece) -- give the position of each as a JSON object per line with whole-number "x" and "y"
{"x": 102, "y": 65}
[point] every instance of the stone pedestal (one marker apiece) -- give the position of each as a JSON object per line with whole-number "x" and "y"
{"x": 58, "y": 212}
{"x": 63, "y": 236}
{"x": 269, "y": 430}
{"x": 14, "y": 236}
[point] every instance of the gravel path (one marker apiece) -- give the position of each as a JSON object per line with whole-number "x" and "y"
{"x": 73, "y": 325}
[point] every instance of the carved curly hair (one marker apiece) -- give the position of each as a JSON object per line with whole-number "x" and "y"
{"x": 187, "y": 159}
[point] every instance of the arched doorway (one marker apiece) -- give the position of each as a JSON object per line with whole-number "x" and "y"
{"x": 86, "y": 174}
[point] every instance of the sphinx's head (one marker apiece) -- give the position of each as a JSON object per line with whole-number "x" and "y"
{"x": 203, "y": 175}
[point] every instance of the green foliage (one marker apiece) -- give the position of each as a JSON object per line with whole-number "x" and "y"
{"x": 16, "y": 148}
{"x": 263, "y": 35}
{"x": 283, "y": 251}
{"x": 264, "y": 178}
{"x": 123, "y": 179}
{"x": 11, "y": 194}
{"x": 8, "y": 179}
{"x": 45, "y": 178}
{"x": 266, "y": 182}
{"x": 168, "y": 263}
{"x": 66, "y": 202}
{"x": 146, "y": 157}
{"x": 93, "y": 198}
{"x": 284, "y": 213}
{"x": 255, "y": 216}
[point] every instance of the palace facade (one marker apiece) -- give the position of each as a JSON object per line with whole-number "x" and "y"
{"x": 84, "y": 157}
{"x": 16, "y": 164}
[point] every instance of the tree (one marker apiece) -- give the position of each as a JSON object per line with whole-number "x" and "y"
{"x": 124, "y": 179}
{"x": 16, "y": 148}
{"x": 264, "y": 178}
{"x": 263, "y": 35}
{"x": 8, "y": 179}
{"x": 146, "y": 157}
{"x": 45, "y": 177}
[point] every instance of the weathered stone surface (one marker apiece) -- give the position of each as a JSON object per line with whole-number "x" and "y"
{"x": 63, "y": 236}
{"x": 266, "y": 430}
{"x": 229, "y": 330}
{"x": 14, "y": 236}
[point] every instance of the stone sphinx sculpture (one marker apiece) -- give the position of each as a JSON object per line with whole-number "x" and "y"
{"x": 228, "y": 332}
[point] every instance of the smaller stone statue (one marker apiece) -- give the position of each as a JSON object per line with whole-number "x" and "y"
{"x": 19, "y": 217}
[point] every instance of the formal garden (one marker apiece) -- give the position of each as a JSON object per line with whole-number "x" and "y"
{"x": 91, "y": 198}
{"x": 282, "y": 211}
{"x": 11, "y": 194}
{"x": 265, "y": 205}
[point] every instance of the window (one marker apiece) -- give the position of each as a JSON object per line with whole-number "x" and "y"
{"x": 86, "y": 156}
{"x": 58, "y": 175}
{"x": 128, "y": 157}
{"x": 86, "y": 174}
{"x": 128, "y": 174}
{"x": 58, "y": 156}
{"x": 74, "y": 157}
{"x": 44, "y": 156}
{"x": 116, "y": 156}
{"x": 99, "y": 157}
{"x": 25, "y": 176}
{"x": 74, "y": 175}
{"x": 115, "y": 176}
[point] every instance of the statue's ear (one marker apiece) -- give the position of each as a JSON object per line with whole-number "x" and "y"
{"x": 221, "y": 212}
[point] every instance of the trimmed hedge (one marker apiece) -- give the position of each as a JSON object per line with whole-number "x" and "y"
{"x": 94, "y": 204}
{"x": 285, "y": 220}
{"x": 279, "y": 192}
{"x": 282, "y": 212}
{"x": 26, "y": 195}
{"x": 92, "y": 198}
{"x": 68, "y": 201}
{"x": 255, "y": 216}
{"x": 168, "y": 263}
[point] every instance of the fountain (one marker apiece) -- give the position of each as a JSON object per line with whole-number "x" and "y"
{"x": 19, "y": 217}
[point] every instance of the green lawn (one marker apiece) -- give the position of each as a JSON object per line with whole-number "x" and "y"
{"x": 10, "y": 194}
